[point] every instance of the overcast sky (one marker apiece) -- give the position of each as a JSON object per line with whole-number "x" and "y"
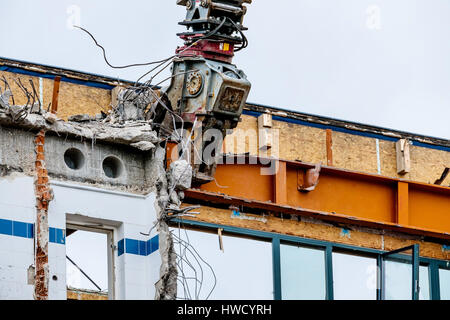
{"x": 380, "y": 62}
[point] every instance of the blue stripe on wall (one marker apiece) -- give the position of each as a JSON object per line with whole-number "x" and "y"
{"x": 58, "y": 236}
{"x": 138, "y": 247}
{"x": 20, "y": 229}
{"x": 50, "y": 76}
{"x": 348, "y": 131}
{"x": 6, "y": 227}
{"x": 26, "y": 230}
{"x": 120, "y": 247}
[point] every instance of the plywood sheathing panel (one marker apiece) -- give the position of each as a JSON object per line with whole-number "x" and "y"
{"x": 355, "y": 153}
{"x": 427, "y": 165}
{"x": 301, "y": 143}
{"x": 317, "y": 230}
{"x": 76, "y": 99}
{"x": 296, "y": 142}
{"x": 309, "y": 230}
{"x": 234, "y": 142}
{"x": 19, "y": 96}
{"x": 426, "y": 249}
{"x": 388, "y": 159}
{"x": 73, "y": 99}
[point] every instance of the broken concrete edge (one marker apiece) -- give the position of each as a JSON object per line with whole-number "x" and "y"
{"x": 166, "y": 286}
{"x": 136, "y": 134}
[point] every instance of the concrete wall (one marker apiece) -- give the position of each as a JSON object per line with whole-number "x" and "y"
{"x": 17, "y": 152}
{"x": 17, "y": 214}
{"x": 94, "y": 155}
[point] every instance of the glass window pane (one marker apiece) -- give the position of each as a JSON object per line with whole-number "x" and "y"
{"x": 302, "y": 273}
{"x": 354, "y": 277}
{"x": 398, "y": 280}
{"x": 424, "y": 283}
{"x": 444, "y": 283}
{"x": 243, "y": 271}
{"x": 89, "y": 251}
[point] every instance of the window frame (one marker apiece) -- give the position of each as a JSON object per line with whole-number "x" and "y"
{"x": 438, "y": 267}
{"x": 433, "y": 264}
{"x": 318, "y": 248}
{"x": 110, "y": 251}
{"x": 395, "y": 256}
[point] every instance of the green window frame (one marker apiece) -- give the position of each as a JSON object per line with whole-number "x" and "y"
{"x": 433, "y": 265}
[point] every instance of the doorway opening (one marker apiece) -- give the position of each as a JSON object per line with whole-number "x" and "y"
{"x": 89, "y": 263}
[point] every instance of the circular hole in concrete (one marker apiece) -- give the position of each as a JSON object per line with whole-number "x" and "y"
{"x": 112, "y": 167}
{"x": 74, "y": 158}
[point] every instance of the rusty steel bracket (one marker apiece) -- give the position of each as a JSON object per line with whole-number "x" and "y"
{"x": 307, "y": 180}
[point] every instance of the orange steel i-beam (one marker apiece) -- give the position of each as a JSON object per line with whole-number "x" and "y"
{"x": 347, "y": 196}
{"x": 403, "y": 204}
{"x": 280, "y": 183}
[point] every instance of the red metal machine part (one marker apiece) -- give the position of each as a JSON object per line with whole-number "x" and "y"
{"x": 213, "y": 50}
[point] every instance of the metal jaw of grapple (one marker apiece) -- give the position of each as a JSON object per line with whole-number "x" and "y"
{"x": 221, "y": 21}
{"x": 205, "y": 84}
{"x": 202, "y": 10}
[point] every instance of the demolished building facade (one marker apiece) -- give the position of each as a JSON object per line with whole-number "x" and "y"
{"x": 201, "y": 195}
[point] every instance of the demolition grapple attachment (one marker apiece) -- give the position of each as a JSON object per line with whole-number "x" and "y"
{"x": 205, "y": 85}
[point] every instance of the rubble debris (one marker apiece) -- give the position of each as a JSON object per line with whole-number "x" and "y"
{"x": 50, "y": 117}
{"x": 170, "y": 186}
{"x": 80, "y": 118}
{"x": 17, "y": 112}
{"x": 143, "y": 145}
{"x": 4, "y": 99}
{"x": 131, "y": 105}
{"x": 126, "y": 134}
{"x": 166, "y": 287}
{"x": 180, "y": 175}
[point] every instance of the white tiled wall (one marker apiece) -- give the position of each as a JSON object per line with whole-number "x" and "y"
{"x": 133, "y": 214}
{"x": 129, "y": 215}
{"x": 16, "y": 253}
